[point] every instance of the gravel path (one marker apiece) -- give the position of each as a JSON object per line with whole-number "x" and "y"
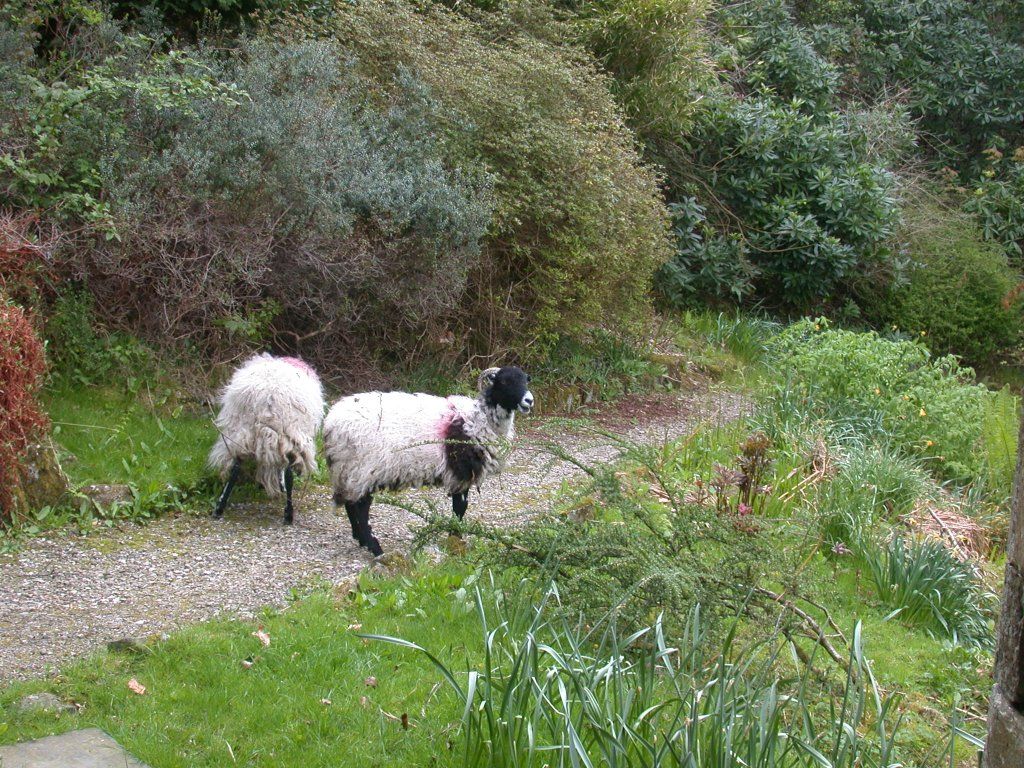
{"x": 65, "y": 595}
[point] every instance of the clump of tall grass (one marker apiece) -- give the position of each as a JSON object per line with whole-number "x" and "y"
{"x": 743, "y": 335}
{"x": 550, "y": 692}
{"x": 930, "y": 588}
{"x": 872, "y": 483}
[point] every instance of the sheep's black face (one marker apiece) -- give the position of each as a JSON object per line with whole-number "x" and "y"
{"x": 509, "y": 388}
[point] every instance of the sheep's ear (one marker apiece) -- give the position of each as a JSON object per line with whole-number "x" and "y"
{"x": 487, "y": 378}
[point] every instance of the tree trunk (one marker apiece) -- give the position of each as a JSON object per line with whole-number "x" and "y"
{"x": 1005, "y": 745}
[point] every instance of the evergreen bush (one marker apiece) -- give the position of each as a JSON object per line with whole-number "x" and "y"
{"x": 957, "y": 294}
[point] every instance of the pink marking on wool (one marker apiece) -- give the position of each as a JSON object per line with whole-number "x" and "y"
{"x": 301, "y": 365}
{"x": 444, "y": 425}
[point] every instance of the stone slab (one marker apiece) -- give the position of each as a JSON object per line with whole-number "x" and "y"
{"x": 87, "y": 748}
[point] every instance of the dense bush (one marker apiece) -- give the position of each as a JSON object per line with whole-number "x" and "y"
{"x": 387, "y": 180}
{"x": 62, "y": 117}
{"x": 708, "y": 264}
{"x": 998, "y": 201}
{"x": 957, "y": 292}
{"x": 578, "y": 227}
{"x": 766, "y": 51}
{"x": 654, "y": 51}
{"x": 895, "y": 390}
{"x": 303, "y": 211}
{"x": 81, "y": 355}
{"x": 958, "y": 63}
{"x": 810, "y": 207}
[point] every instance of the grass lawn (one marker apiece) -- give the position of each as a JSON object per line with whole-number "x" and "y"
{"x": 307, "y": 699}
{"x": 110, "y": 435}
{"x": 931, "y": 675}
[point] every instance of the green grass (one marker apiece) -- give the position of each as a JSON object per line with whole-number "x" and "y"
{"x": 728, "y": 346}
{"x": 554, "y": 690}
{"x": 203, "y": 707}
{"x": 930, "y": 676}
{"x": 109, "y": 435}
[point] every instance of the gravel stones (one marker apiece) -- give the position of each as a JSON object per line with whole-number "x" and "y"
{"x": 65, "y": 595}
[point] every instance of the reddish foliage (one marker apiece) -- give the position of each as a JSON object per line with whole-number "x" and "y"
{"x": 22, "y": 365}
{"x": 25, "y": 251}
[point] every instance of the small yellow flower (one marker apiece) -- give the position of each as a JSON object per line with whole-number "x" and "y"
{"x": 878, "y": 391}
{"x": 906, "y": 397}
{"x": 923, "y": 412}
{"x": 928, "y": 443}
{"x": 924, "y": 333}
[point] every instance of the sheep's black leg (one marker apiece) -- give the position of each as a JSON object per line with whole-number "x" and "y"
{"x": 222, "y": 502}
{"x": 366, "y": 538}
{"x": 460, "y": 502}
{"x": 352, "y": 508}
{"x": 289, "y": 514}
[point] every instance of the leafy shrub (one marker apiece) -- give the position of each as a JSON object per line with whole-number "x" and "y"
{"x": 58, "y": 123}
{"x": 304, "y": 211}
{"x": 80, "y": 354}
{"x": 812, "y": 210}
{"x": 579, "y": 226}
{"x": 22, "y": 366}
{"x": 598, "y": 697}
{"x": 925, "y": 407}
{"x": 654, "y": 51}
{"x": 930, "y": 588}
{"x": 707, "y": 265}
{"x": 998, "y": 201}
{"x": 395, "y": 181}
{"x": 772, "y": 53}
{"x": 957, "y": 294}
{"x": 961, "y": 72}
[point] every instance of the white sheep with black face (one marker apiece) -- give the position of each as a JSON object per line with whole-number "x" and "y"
{"x": 394, "y": 440}
{"x": 271, "y": 410}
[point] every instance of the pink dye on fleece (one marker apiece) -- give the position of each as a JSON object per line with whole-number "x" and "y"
{"x": 445, "y": 424}
{"x": 301, "y": 365}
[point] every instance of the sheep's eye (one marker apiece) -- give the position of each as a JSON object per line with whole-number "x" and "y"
{"x": 528, "y": 379}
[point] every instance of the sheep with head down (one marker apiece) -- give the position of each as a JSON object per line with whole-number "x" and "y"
{"x": 393, "y": 440}
{"x": 271, "y": 410}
